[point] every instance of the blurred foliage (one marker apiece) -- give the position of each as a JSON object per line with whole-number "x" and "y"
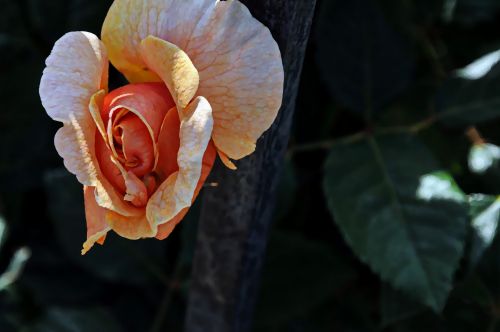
{"x": 387, "y": 213}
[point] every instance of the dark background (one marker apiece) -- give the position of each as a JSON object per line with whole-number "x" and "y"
{"x": 384, "y": 133}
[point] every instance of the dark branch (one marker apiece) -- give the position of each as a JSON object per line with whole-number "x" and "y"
{"x": 236, "y": 215}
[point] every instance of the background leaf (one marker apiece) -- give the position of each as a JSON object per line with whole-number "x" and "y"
{"x": 363, "y": 61}
{"x": 471, "y": 99}
{"x": 399, "y": 216}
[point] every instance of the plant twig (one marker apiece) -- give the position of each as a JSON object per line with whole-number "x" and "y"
{"x": 167, "y": 299}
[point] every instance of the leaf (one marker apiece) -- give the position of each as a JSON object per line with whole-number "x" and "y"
{"x": 73, "y": 320}
{"x": 396, "y": 306}
{"x": 399, "y": 214}
{"x": 470, "y": 12}
{"x": 485, "y": 214}
{"x": 298, "y": 276}
{"x": 471, "y": 96}
{"x": 363, "y": 61}
{"x": 133, "y": 261}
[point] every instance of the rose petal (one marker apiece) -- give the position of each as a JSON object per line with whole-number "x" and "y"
{"x": 168, "y": 145}
{"x": 97, "y": 228}
{"x": 75, "y": 143}
{"x": 239, "y": 63}
{"x": 165, "y": 229}
{"x": 107, "y": 166}
{"x": 176, "y": 193}
{"x": 132, "y": 228}
{"x": 136, "y": 191}
{"x": 95, "y": 105}
{"x": 173, "y": 66}
{"x": 150, "y": 102}
{"x": 76, "y": 69}
{"x": 226, "y": 161}
{"x": 66, "y": 93}
{"x": 139, "y": 149}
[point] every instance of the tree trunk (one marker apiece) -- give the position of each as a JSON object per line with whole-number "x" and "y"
{"x": 236, "y": 215}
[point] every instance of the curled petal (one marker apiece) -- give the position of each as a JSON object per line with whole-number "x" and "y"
{"x": 239, "y": 63}
{"x": 95, "y": 105}
{"x": 226, "y": 161}
{"x": 132, "y": 228}
{"x": 97, "y": 228}
{"x": 128, "y": 22}
{"x": 177, "y": 191}
{"x": 168, "y": 145}
{"x": 150, "y": 102}
{"x": 165, "y": 229}
{"x": 75, "y": 142}
{"x": 173, "y": 66}
{"x": 136, "y": 191}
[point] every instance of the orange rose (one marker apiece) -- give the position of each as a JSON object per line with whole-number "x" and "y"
{"x": 206, "y": 78}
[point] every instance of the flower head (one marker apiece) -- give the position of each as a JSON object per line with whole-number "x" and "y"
{"x": 206, "y": 78}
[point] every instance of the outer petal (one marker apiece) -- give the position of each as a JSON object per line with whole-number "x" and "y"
{"x": 76, "y": 69}
{"x": 173, "y": 66}
{"x": 132, "y": 228}
{"x": 165, "y": 229}
{"x": 97, "y": 227}
{"x": 177, "y": 191}
{"x": 239, "y": 63}
{"x": 72, "y": 83}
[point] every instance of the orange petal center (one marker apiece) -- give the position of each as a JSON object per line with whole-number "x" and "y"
{"x": 130, "y": 154}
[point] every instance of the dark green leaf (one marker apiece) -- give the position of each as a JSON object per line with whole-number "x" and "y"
{"x": 298, "y": 276}
{"x": 363, "y": 61}
{"x": 72, "y": 320}
{"x": 400, "y": 214}
{"x": 471, "y": 12}
{"x": 396, "y": 306}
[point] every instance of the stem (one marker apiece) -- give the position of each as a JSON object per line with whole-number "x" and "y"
{"x": 167, "y": 299}
{"x": 474, "y": 136}
{"x": 327, "y": 144}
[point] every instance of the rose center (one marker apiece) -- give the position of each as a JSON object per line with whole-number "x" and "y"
{"x": 128, "y": 147}
{"x": 133, "y": 145}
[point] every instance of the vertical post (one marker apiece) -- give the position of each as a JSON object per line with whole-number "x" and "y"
{"x": 236, "y": 215}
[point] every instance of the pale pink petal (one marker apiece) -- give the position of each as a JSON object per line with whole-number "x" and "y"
{"x": 75, "y": 70}
{"x": 239, "y": 63}
{"x": 75, "y": 143}
{"x": 165, "y": 229}
{"x": 176, "y": 193}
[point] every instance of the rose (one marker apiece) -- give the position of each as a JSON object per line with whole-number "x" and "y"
{"x": 205, "y": 77}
